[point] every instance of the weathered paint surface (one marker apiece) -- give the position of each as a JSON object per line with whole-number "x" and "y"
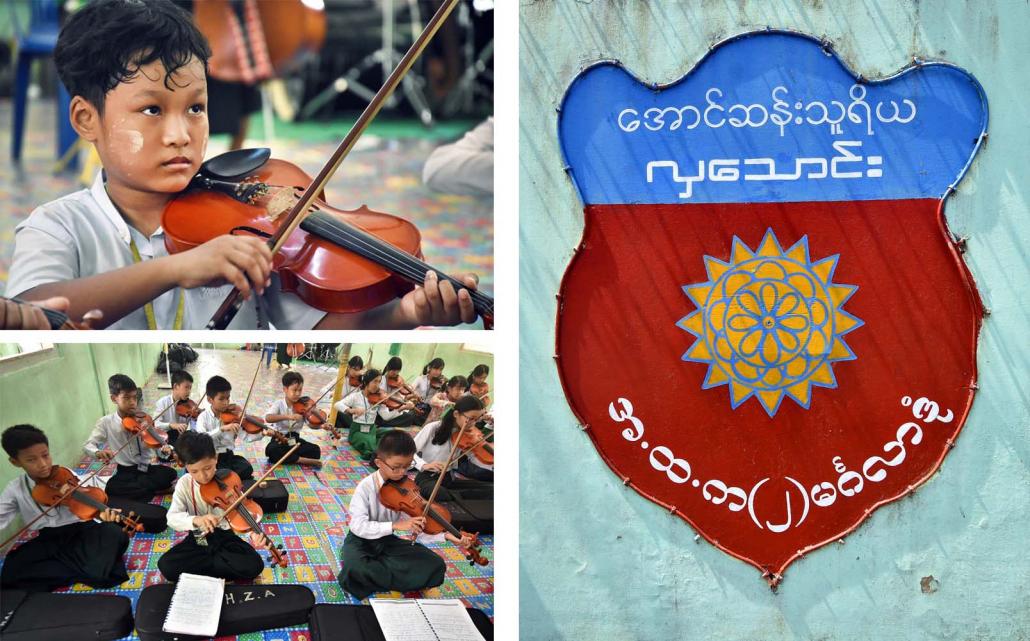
{"x": 950, "y": 562}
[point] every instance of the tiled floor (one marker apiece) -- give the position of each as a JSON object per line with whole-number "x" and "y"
{"x": 313, "y": 528}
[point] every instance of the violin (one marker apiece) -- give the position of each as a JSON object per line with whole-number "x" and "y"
{"x": 382, "y": 398}
{"x": 142, "y": 424}
{"x": 338, "y": 261}
{"x": 57, "y": 320}
{"x": 250, "y": 423}
{"x": 438, "y": 382}
{"x": 403, "y": 496}
{"x": 354, "y": 380}
{"x": 187, "y": 408}
{"x": 313, "y": 416}
{"x": 84, "y": 502}
{"x": 479, "y": 390}
{"x": 221, "y": 492}
{"x": 472, "y": 440}
{"x": 293, "y": 350}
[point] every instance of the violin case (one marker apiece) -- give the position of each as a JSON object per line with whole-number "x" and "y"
{"x": 272, "y": 498}
{"x": 471, "y": 515}
{"x": 152, "y": 517}
{"x": 246, "y": 608}
{"x": 342, "y": 622}
{"x": 46, "y": 616}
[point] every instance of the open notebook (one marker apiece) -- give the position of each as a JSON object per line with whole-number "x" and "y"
{"x": 424, "y": 620}
{"x": 196, "y": 606}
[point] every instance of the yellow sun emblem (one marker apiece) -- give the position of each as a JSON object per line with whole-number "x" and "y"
{"x": 769, "y": 323}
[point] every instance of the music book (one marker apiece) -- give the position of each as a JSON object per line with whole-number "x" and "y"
{"x": 196, "y": 606}
{"x": 424, "y": 619}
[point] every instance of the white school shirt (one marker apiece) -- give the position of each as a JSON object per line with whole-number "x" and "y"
{"x": 357, "y": 399}
{"x": 279, "y": 408}
{"x": 187, "y": 503}
{"x": 83, "y": 234}
{"x": 109, "y": 433}
{"x": 368, "y": 518}
{"x": 423, "y": 390}
{"x": 164, "y": 414}
{"x": 464, "y": 167}
{"x": 428, "y": 452}
{"x": 17, "y": 499}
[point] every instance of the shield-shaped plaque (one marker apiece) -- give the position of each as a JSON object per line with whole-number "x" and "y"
{"x": 767, "y": 327}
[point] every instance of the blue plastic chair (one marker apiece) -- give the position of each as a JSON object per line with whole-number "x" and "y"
{"x": 38, "y": 42}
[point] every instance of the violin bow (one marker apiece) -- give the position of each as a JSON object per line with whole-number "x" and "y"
{"x": 261, "y": 479}
{"x": 232, "y": 303}
{"x": 443, "y": 472}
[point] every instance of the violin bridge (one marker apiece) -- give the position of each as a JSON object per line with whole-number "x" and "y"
{"x": 278, "y": 201}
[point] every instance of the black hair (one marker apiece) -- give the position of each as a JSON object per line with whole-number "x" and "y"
{"x": 106, "y": 42}
{"x": 121, "y": 383}
{"x": 393, "y": 365}
{"x": 479, "y": 370}
{"x": 181, "y": 376}
{"x": 355, "y": 361}
{"x": 291, "y": 378}
{"x": 216, "y": 385}
{"x": 19, "y": 437}
{"x": 369, "y": 376}
{"x": 436, "y": 363}
{"x": 191, "y": 447}
{"x": 459, "y": 381}
{"x": 395, "y": 443}
{"x": 449, "y": 421}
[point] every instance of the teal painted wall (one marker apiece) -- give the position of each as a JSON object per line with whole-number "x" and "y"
{"x": 63, "y": 392}
{"x": 597, "y": 560}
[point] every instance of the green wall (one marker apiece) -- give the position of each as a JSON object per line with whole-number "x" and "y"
{"x": 63, "y": 391}
{"x": 415, "y": 356}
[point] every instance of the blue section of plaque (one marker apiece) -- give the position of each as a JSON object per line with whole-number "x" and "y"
{"x": 790, "y": 123}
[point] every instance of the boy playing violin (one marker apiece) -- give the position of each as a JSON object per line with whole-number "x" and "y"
{"x": 282, "y": 418}
{"x": 165, "y": 416}
{"x": 224, "y": 435}
{"x": 211, "y": 548}
{"x": 374, "y": 558}
{"x": 137, "y": 71}
{"x": 138, "y": 476}
{"x": 66, "y": 550}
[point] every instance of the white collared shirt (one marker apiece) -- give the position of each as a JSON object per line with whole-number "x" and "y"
{"x": 368, "y": 518}
{"x": 279, "y": 408}
{"x": 188, "y": 503}
{"x": 83, "y": 234}
{"x": 428, "y": 452}
{"x": 17, "y": 499}
{"x": 164, "y": 414}
{"x": 109, "y": 434}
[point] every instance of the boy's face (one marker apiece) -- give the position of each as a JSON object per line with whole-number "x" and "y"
{"x": 125, "y": 401}
{"x": 395, "y": 467}
{"x": 294, "y": 392}
{"x": 203, "y": 470}
{"x": 182, "y": 390}
{"x": 219, "y": 401}
{"x": 35, "y": 460}
{"x": 152, "y": 138}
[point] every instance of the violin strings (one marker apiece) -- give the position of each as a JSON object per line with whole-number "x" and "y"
{"x": 383, "y": 253}
{"x": 402, "y": 263}
{"x": 367, "y": 245}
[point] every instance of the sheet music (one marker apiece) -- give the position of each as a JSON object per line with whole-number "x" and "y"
{"x": 196, "y": 606}
{"x": 450, "y": 620}
{"x": 422, "y": 619}
{"x": 401, "y": 620}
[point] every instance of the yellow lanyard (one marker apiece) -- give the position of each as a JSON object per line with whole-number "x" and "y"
{"x": 148, "y": 309}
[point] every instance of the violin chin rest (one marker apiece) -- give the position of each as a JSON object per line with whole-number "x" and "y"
{"x": 235, "y": 165}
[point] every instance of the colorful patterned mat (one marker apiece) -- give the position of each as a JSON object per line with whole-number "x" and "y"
{"x": 385, "y": 174}
{"x": 313, "y": 529}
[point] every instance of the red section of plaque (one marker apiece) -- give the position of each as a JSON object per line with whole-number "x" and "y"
{"x": 754, "y": 481}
